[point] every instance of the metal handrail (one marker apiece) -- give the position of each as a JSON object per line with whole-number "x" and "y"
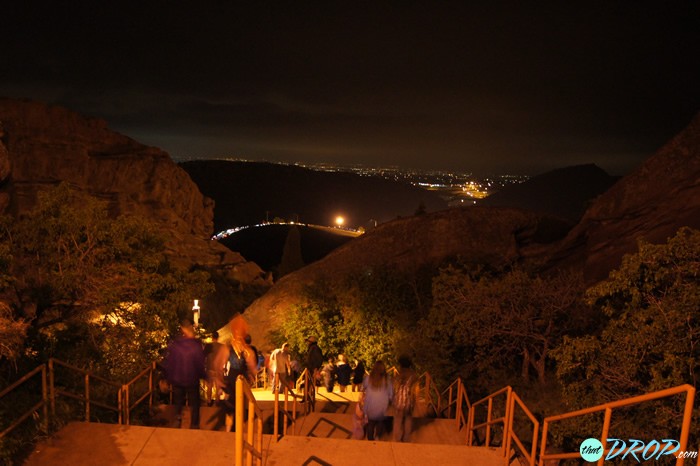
{"x": 291, "y": 416}
{"x": 490, "y": 421}
{"x": 512, "y": 436}
{"x": 608, "y": 407}
{"x": 430, "y": 390}
{"x": 306, "y": 383}
{"x": 44, "y": 403}
{"x": 250, "y": 448}
{"x": 85, "y": 397}
{"x": 126, "y": 391}
{"x": 456, "y": 396}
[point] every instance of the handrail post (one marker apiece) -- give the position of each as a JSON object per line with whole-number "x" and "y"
{"x": 87, "y": 397}
{"x": 45, "y": 398}
{"x": 120, "y": 405}
{"x": 604, "y": 434}
{"x": 508, "y": 425}
{"x": 458, "y": 403}
{"x": 259, "y": 423}
{"x": 543, "y": 445}
{"x": 52, "y": 383}
{"x": 127, "y": 405}
{"x": 238, "y": 425}
{"x": 294, "y": 416}
{"x": 470, "y": 427}
{"x": 286, "y": 410}
{"x": 276, "y": 416}
{"x": 489, "y": 417}
{"x": 151, "y": 386}
{"x": 506, "y": 432}
{"x": 685, "y": 426}
{"x": 251, "y": 430}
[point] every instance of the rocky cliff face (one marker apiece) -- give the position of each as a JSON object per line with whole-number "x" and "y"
{"x": 651, "y": 203}
{"x": 42, "y": 145}
{"x": 482, "y": 235}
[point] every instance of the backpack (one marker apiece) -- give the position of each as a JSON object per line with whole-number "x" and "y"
{"x": 235, "y": 366}
{"x": 402, "y": 395}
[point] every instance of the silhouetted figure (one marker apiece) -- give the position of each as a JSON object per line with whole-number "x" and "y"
{"x": 328, "y": 374}
{"x": 378, "y": 395}
{"x": 344, "y": 371}
{"x": 241, "y": 360}
{"x": 280, "y": 365}
{"x": 404, "y": 400}
{"x": 184, "y": 367}
{"x": 314, "y": 358}
{"x": 358, "y": 375}
{"x": 215, "y": 360}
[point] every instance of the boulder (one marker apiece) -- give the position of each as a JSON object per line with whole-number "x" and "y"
{"x": 651, "y": 203}
{"x": 42, "y": 145}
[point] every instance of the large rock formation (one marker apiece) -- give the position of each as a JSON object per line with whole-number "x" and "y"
{"x": 481, "y": 235}
{"x": 42, "y": 145}
{"x": 564, "y": 192}
{"x": 651, "y": 203}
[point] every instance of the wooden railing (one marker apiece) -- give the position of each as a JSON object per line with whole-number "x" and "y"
{"x": 146, "y": 375}
{"x": 249, "y": 448}
{"x": 607, "y": 408}
{"x": 448, "y": 403}
{"x": 306, "y": 385}
{"x": 43, "y": 404}
{"x": 290, "y": 416}
{"x": 85, "y": 397}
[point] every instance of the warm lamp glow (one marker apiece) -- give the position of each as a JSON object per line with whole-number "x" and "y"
{"x": 196, "y": 312}
{"x": 339, "y": 221}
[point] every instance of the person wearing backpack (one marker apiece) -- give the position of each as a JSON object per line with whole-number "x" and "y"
{"x": 404, "y": 400}
{"x": 241, "y": 360}
{"x": 378, "y": 394}
{"x": 184, "y": 367}
{"x": 280, "y": 366}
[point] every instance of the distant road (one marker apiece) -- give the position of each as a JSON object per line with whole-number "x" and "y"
{"x": 334, "y": 230}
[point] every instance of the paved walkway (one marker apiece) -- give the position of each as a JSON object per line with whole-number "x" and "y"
{"x": 81, "y": 443}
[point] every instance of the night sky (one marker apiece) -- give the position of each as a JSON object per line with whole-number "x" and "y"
{"x": 505, "y": 87}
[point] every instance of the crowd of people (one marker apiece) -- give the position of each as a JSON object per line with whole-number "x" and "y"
{"x": 219, "y": 364}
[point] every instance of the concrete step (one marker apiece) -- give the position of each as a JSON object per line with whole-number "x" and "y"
{"x": 340, "y": 426}
{"x": 80, "y": 444}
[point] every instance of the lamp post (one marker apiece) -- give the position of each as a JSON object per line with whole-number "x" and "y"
{"x": 195, "y": 312}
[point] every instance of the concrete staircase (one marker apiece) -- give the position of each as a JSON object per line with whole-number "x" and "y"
{"x": 322, "y": 438}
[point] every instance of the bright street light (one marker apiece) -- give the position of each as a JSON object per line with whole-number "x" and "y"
{"x": 339, "y": 220}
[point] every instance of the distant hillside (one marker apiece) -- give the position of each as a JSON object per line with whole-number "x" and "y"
{"x": 412, "y": 245}
{"x": 565, "y": 192}
{"x": 651, "y": 203}
{"x": 247, "y": 192}
{"x": 265, "y": 245}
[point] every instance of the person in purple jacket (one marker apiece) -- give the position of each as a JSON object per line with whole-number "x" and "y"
{"x": 184, "y": 367}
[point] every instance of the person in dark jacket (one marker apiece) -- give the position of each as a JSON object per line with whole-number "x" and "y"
{"x": 184, "y": 366}
{"x": 314, "y": 358}
{"x": 358, "y": 375}
{"x": 343, "y": 370}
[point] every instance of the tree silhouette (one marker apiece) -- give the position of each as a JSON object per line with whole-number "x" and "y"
{"x": 291, "y": 254}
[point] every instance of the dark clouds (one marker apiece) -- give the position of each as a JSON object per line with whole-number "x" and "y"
{"x": 498, "y": 87}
